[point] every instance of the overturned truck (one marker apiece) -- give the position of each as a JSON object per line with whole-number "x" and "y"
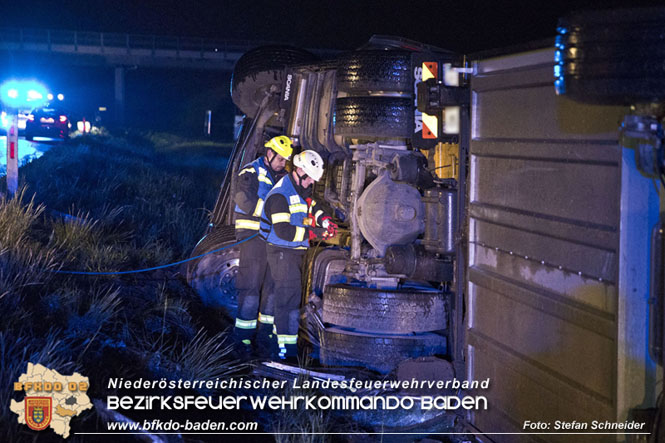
{"x": 383, "y": 291}
{"x": 500, "y": 212}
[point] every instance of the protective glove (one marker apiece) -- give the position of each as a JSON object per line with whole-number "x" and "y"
{"x": 329, "y": 226}
{"x": 308, "y": 221}
{"x": 317, "y": 233}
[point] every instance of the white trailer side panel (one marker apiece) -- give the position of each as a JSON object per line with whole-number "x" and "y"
{"x": 547, "y": 314}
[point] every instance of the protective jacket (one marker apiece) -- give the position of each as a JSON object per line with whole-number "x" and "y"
{"x": 254, "y": 182}
{"x": 282, "y": 219}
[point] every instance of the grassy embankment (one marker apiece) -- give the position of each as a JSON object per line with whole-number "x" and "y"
{"x": 101, "y": 204}
{"x": 106, "y": 204}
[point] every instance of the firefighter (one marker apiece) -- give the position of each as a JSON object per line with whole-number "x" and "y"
{"x": 289, "y": 216}
{"x": 253, "y": 281}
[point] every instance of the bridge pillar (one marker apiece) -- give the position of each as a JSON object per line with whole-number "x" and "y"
{"x": 119, "y": 95}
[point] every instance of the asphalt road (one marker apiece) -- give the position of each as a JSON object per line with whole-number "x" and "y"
{"x": 27, "y": 151}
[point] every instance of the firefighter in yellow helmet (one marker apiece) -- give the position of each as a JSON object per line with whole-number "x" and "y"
{"x": 254, "y": 283}
{"x": 289, "y": 216}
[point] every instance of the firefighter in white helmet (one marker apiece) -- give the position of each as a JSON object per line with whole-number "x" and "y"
{"x": 255, "y": 307}
{"x": 290, "y": 218}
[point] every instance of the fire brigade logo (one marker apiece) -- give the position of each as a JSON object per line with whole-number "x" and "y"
{"x": 38, "y": 412}
{"x": 51, "y": 399}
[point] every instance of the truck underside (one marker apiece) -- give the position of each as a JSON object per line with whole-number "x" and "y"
{"x": 383, "y": 291}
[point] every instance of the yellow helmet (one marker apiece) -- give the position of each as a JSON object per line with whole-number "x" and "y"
{"x": 281, "y": 145}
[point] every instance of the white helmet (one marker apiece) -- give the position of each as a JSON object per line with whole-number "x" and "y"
{"x": 310, "y": 162}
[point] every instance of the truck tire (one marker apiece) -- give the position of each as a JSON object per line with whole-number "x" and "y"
{"x": 381, "y": 353}
{"x": 612, "y": 57}
{"x": 213, "y": 276}
{"x": 257, "y": 70}
{"x": 400, "y": 311}
{"x": 374, "y": 117}
{"x": 360, "y": 72}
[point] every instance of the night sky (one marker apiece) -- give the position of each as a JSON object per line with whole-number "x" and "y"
{"x": 461, "y": 25}
{"x": 183, "y": 97}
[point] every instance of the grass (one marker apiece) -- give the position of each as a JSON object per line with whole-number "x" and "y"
{"x": 158, "y": 194}
{"x": 100, "y": 203}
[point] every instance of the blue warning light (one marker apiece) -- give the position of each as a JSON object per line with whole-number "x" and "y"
{"x": 22, "y": 93}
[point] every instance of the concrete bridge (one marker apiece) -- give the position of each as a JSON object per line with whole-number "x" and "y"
{"x": 124, "y": 51}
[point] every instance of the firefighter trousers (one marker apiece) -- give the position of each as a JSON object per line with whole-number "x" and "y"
{"x": 286, "y": 270}
{"x": 255, "y": 288}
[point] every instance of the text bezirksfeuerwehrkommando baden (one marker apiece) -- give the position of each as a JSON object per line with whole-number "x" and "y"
{"x": 308, "y": 400}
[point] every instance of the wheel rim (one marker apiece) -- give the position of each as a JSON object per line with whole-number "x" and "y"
{"x": 227, "y": 281}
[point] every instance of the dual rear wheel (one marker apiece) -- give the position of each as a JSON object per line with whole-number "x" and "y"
{"x": 379, "y": 328}
{"x": 375, "y": 95}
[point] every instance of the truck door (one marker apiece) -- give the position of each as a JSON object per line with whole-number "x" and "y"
{"x": 559, "y": 226}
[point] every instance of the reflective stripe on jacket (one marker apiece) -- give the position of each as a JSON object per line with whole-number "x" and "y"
{"x": 251, "y": 221}
{"x": 297, "y": 207}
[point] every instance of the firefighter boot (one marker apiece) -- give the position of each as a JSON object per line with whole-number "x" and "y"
{"x": 242, "y": 343}
{"x": 266, "y": 343}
